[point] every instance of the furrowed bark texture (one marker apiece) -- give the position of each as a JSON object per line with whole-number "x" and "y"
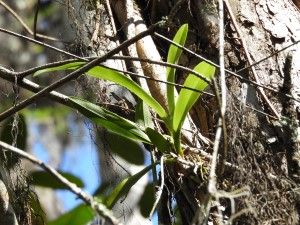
{"x": 257, "y": 143}
{"x": 263, "y": 150}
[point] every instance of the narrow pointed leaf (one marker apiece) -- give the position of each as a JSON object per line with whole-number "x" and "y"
{"x": 187, "y": 98}
{"x": 125, "y": 185}
{"x": 109, "y": 120}
{"x": 119, "y": 78}
{"x": 114, "y": 76}
{"x": 143, "y": 115}
{"x": 173, "y": 57}
{"x": 68, "y": 66}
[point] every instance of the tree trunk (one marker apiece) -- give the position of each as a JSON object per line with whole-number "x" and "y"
{"x": 263, "y": 146}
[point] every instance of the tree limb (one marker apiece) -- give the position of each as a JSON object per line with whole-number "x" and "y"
{"x": 98, "y": 207}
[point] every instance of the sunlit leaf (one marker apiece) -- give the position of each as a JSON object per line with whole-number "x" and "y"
{"x": 117, "y": 77}
{"x": 80, "y": 215}
{"x": 187, "y": 98}
{"x": 44, "y": 179}
{"x": 125, "y": 185}
{"x": 143, "y": 115}
{"x": 173, "y": 57}
{"x": 68, "y": 66}
{"x": 109, "y": 120}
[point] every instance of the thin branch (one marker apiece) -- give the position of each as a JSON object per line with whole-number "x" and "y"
{"x": 130, "y": 30}
{"x": 98, "y": 207}
{"x": 31, "y": 71}
{"x": 170, "y": 41}
{"x": 63, "y": 62}
{"x": 11, "y": 11}
{"x": 40, "y": 43}
{"x": 113, "y": 26}
{"x": 253, "y": 83}
{"x": 31, "y": 86}
{"x": 36, "y": 18}
{"x": 77, "y": 73}
{"x": 260, "y": 91}
{"x": 270, "y": 56}
{"x": 212, "y": 180}
{"x": 160, "y": 190}
{"x": 161, "y": 81}
{"x": 57, "y": 97}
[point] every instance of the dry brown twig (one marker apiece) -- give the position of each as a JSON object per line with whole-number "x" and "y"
{"x": 75, "y": 74}
{"x": 260, "y": 90}
{"x": 28, "y": 30}
{"x": 98, "y": 207}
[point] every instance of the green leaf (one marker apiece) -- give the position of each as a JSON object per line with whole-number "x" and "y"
{"x": 143, "y": 115}
{"x": 187, "y": 98}
{"x": 158, "y": 140}
{"x": 13, "y": 129}
{"x": 109, "y": 120}
{"x": 173, "y": 57}
{"x": 126, "y": 148}
{"x": 117, "y": 77}
{"x": 125, "y": 185}
{"x": 80, "y": 215}
{"x": 44, "y": 179}
{"x": 147, "y": 200}
{"x": 68, "y": 66}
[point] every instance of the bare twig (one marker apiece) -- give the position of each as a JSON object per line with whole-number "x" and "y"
{"x": 212, "y": 187}
{"x": 212, "y": 180}
{"x": 160, "y": 190}
{"x": 152, "y": 61}
{"x": 130, "y": 29}
{"x": 76, "y": 73}
{"x": 260, "y": 91}
{"x": 98, "y": 207}
{"x": 113, "y": 25}
{"x": 31, "y": 86}
{"x": 273, "y": 54}
{"x": 36, "y": 18}
{"x": 40, "y": 43}
{"x": 11, "y": 11}
{"x": 253, "y": 83}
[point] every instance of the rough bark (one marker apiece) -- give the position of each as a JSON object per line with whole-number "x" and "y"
{"x": 266, "y": 26}
{"x": 260, "y": 147}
